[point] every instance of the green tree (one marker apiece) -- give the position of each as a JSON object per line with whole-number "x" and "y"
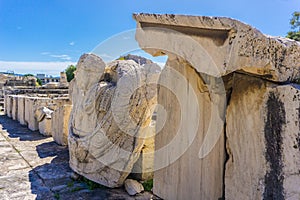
{"x": 295, "y": 26}
{"x": 70, "y": 72}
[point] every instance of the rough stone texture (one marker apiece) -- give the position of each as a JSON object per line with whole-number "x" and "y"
{"x": 30, "y": 107}
{"x": 14, "y": 112}
{"x": 133, "y": 187}
{"x": 34, "y": 104}
{"x": 177, "y": 144}
{"x": 63, "y": 80}
{"x": 44, "y": 115}
{"x": 45, "y": 127}
{"x": 263, "y": 141}
{"x": 110, "y": 109}
{"x": 21, "y": 110}
{"x": 262, "y": 118}
{"x": 8, "y": 105}
{"x": 60, "y": 124}
{"x": 35, "y": 167}
{"x": 144, "y": 167}
{"x": 240, "y": 47}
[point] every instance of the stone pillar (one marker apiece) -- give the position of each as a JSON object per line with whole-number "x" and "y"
{"x": 21, "y": 109}
{"x": 187, "y": 176}
{"x": 263, "y": 141}
{"x": 9, "y": 103}
{"x": 63, "y": 79}
{"x": 14, "y": 113}
{"x": 144, "y": 167}
{"x": 45, "y": 127}
{"x": 261, "y": 121}
{"x": 30, "y": 107}
{"x": 60, "y": 123}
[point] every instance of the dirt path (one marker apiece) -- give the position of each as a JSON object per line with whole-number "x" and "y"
{"x": 35, "y": 167}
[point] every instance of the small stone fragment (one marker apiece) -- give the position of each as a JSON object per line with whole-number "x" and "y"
{"x": 133, "y": 187}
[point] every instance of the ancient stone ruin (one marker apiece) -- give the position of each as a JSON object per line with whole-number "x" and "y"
{"x": 42, "y": 109}
{"x": 227, "y": 123}
{"x": 111, "y": 112}
{"x": 247, "y": 148}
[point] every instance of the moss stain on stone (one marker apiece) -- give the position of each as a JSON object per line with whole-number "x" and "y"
{"x": 273, "y": 136}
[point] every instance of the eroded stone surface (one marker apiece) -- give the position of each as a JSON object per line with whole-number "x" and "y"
{"x": 263, "y": 134}
{"x": 144, "y": 167}
{"x": 30, "y": 107}
{"x": 240, "y": 47}
{"x": 21, "y": 109}
{"x": 189, "y": 114}
{"x": 14, "y": 113}
{"x": 262, "y": 117}
{"x": 8, "y": 105}
{"x": 110, "y": 109}
{"x": 133, "y": 187}
{"x": 60, "y": 124}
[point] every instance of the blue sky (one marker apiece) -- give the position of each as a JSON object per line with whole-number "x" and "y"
{"x": 54, "y": 33}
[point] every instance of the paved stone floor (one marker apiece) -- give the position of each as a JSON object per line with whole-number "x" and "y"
{"x": 35, "y": 167}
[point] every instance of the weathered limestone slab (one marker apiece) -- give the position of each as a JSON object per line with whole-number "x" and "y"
{"x": 32, "y": 104}
{"x": 185, "y": 121}
{"x": 144, "y": 167}
{"x": 5, "y": 104}
{"x": 8, "y": 105}
{"x": 263, "y": 141}
{"x": 14, "y": 112}
{"x": 63, "y": 80}
{"x": 21, "y": 109}
{"x": 45, "y": 127}
{"x": 43, "y": 116}
{"x": 240, "y": 47}
{"x": 30, "y": 107}
{"x": 110, "y": 109}
{"x": 133, "y": 187}
{"x": 60, "y": 124}
{"x": 216, "y": 47}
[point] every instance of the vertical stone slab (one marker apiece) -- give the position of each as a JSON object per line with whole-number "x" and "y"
{"x": 5, "y": 104}
{"x": 9, "y": 103}
{"x": 30, "y": 107}
{"x": 262, "y": 141}
{"x": 187, "y": 177}
{"x": 14, "y": 113}
{"x": 145, "y": 164}
{"x": 45, "y": 127}
{"x": 60, "y": 123}
{"x": 21, "y": 110}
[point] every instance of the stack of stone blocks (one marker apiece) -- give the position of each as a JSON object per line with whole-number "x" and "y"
{"x": 25, "y": 109}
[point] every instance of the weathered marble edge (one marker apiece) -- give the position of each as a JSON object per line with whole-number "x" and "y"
{"x": 216, "y": 23}
{"x": 206, "y": 22}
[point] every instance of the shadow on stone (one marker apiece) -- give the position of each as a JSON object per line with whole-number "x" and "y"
{"x": 15, "y": 130}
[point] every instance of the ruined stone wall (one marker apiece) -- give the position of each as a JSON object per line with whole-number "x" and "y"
{"x": 35, "y": 111}
{"x": 259, "y": 158}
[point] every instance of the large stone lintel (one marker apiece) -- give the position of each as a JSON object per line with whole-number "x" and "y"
{"x": 218, "y": 45}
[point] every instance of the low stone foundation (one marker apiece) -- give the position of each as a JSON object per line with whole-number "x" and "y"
{"x": 28, "y": 110}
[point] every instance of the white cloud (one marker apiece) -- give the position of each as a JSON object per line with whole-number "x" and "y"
{"x": 63, "y": 57}
{"x": 50, "y": 68}
{"x": 72, "y": 43}
{"x": 45, "y": 53}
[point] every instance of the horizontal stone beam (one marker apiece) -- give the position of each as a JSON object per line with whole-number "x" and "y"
{"x": 218, "y": 46}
